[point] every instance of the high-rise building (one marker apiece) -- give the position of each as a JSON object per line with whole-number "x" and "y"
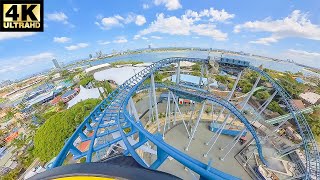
{"x": 149, "y": 46}
{"x": 56, "y": 64}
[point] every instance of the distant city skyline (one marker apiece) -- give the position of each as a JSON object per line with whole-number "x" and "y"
{"x": 74, "y": 29}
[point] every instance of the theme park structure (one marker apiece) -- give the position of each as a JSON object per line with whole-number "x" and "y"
{"x": 115, "y": 122}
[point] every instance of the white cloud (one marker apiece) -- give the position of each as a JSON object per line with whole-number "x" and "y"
{"x": 20, "y": 63}
{"x": 58, "y": 17}
{"x": 187, "y": 24}
{"x": 140, "y": 20}
{"x": 104, "y": 42}
{"x": 61, "y": 39}
{"x": 137, "y": 36}
{"x": 265, "y": 41}
{"x": 144, "y": 38}
{"x": 214, "y": 15}
{"x": 107, "y": 23}
{"x": 15, "y": 35}
{"x": 169, "y": 4}
{"x": 303, "y": 57}
{"x": 145, "y": 6}
{"x": 120, "y": 39}
{"x": 156, "y": 37}
{"x": 77, "y": 46}
{"x": 296, "y": 24}
{"x": 210, "y": 31}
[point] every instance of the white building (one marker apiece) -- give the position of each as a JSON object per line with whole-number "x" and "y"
{"x": 97, "y": 68}
{"x": 310, "y": 98}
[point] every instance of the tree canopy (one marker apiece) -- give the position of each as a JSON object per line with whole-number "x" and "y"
{"x": 274, "y": 106}
{"x": 51, "y": 136}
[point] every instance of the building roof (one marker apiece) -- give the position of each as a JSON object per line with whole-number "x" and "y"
{"x": 299, "y": 80}
{"x": 85, "y": 94}
{"x": 298, "y": 103}
{"x": 12, "y": 136}
{"x": 118, "y": 75}
{"x": 83, "y": 146}
{"x": 93, "y": 68}
{"x": 56, "y": 100}
{"x": 68, "y": 93}
{"x": 310, "y": 97}
{"x": 189, "y": 78}
{"x": 40, "y": 98}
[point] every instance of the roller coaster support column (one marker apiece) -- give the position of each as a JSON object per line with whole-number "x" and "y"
{"x": 169, "y": 110}
{"x": 196, "y": 126}
{"x": 234, "y": 144}
{"x": 133, "y": 109}
{"x": 177, "y": 82}
{"x": 201, "y": 75}
{"x": 218, "y": 132}
{"x": 228, "y": 98}
{"x": 225, "y": 121}
{"x": 265, "y": 105}
{"x": 236, "y": 139}
{"x": 250, "y": 93}
{"x": 166, "y": 118}
{"x": 155, "y": 100}
{"x": 150, "y": 106}
{"x": 175, "y": 102}
{"x": 262, "y": 108}
{"x": 178, "y": 73}
{"x": 193, "y": 107}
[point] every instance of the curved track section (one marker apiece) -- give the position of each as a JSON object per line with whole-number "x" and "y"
{"x": 112, "y": 117}
{"x": 309, "y": 143}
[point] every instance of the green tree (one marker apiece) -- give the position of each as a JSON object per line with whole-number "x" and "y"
{"x": 262, "y": 95}
{"x": 13, "y": 174}
{"x": 274, "y": 106}
{"x": 222, "y": 79}
{"x": 86, "y": 80}
{"x": 50, "y": 137}
{"x": 196, "y": 67}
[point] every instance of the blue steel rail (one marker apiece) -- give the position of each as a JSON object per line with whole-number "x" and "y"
{"x": 111, "y": 116}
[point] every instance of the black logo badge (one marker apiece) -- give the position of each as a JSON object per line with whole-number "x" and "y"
{"x": 21, "y": 15}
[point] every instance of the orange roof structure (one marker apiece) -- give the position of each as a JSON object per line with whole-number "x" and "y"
{"x": 12, "y": 136}
{"x": 85, "y": 145}
{"x": 56, "y": 100}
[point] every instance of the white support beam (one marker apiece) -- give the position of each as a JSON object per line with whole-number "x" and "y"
{"x": 217, "y": 133}
{"x": 150, "y": 106}
{"x": 229, "y": 95}
{"x": 193, "y": 107}
{"x": 133, "y": 109}
{"x": 235, "y": 141}
{"x": 166, "y": 118}
{"x": 177, "y": 106}
{"x": 155, "y": 100}
{"x": 196, "y": 126}
{"x": 169, "y": 110}
{"x": 201, "y": 75}
{"x": 250, "y": 93}
{"x": 178, "y": 73}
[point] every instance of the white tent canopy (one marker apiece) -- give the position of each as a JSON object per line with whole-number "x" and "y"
{"x": 118, "y": 75}
{"x": 85, "y": 94}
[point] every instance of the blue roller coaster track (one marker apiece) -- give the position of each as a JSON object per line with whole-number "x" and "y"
{"x": 111, "y": 115}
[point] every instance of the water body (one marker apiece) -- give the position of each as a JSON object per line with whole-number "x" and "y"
{"x": 156, "y": 56}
